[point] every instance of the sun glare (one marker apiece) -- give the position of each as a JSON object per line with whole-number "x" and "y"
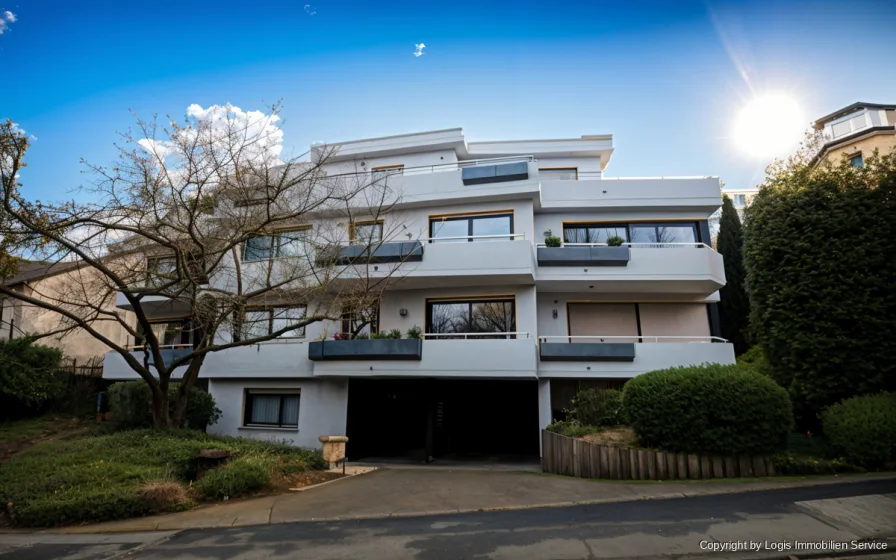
{"x": 769, "y": 126}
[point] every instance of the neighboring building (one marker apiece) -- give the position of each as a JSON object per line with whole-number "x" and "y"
{"x": 856, "y": 131}
{"x": 50, "y": 281}
{"x": 741, "y": 198}
{"x": 511, "y": 328}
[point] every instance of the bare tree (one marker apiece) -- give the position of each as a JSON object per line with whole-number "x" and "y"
{"x": 207, "y": 218}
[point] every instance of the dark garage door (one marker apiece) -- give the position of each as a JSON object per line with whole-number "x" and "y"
{"x": 416, "y": 418}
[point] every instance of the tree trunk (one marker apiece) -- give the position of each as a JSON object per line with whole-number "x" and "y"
{"x": 160, "y": 416}
{"x": 183, "y": 392}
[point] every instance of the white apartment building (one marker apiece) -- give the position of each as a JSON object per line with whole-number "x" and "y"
{"x": 511, "y": 327}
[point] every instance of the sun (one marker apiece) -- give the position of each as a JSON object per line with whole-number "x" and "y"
{"x": 769, "y": 126}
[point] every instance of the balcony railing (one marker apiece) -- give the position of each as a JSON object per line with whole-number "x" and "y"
{"x": 479, "y": 335}
{"x": 655, "y": 245}
{"x": 468, "y": 238}
{"x": 597, "y": 339}
{"x": 439, "y": 167}
{"x": 169, "y": 352}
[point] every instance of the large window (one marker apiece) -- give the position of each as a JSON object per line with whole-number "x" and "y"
{"x": 360, "y": 322}
{"x": 263, "y": 322}
{"x": 670, "y": 234}
{"x": 561, "y": 173}
{"x": 366, "y": 233}
{"x": 450, "y": 229}
{"x": 271, "y": 409}
{"x": 471, "y": 316}
{"x": 172, "y": 332}
{"x": 292, "y": 243}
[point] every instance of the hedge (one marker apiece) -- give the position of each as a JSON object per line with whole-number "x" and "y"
{"x": 713, "y": 408}
{"x": 27, "y": 375}
{"x": 131, "y": 401}
{"x": 862, "y": 430}
{"x": 818, "y": 252}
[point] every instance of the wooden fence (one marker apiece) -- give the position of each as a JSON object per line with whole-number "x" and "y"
{"x": 575, "y": 457}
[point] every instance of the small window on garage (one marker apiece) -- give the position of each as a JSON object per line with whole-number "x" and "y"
{"x": 271, "y": 409}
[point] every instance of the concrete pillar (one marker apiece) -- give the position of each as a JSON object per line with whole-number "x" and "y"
{"x": 544, "y": 407}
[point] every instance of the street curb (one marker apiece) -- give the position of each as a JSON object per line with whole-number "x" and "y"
{"x": 319, "y": 484}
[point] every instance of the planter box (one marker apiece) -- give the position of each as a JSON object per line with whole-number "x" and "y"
{"x": 403, "y": 251}
{"x": 587, "y": 352}
{"x": 374, "y": 349}
{"x": 500, "y": 173}
{"x": 583, "y": 256}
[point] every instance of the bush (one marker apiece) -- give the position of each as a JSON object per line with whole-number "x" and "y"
{"x": 571, "y": 428}
{"x": 131, "y": 401}
{"x": 615, "y": 241}
{"x": 755, "y": 359}
{"x": 863, "y": 429}
{"x": 28, "y": 374}
{"x": 164, "y": 495}
{"x": 239, "y": 476}
{"x": 816, "y": 246}
{"x": 594, "y": 407}
{"x": 552, "y": 241}
{"x": 708, "y": 409}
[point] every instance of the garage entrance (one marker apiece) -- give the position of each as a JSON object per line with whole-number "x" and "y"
{"x": 424, "y": 419}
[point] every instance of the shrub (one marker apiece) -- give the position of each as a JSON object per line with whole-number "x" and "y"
{"x": 164, "y": 495}
{"x": 594, "y": 407}
{"x": 571, "y": 428}
{"x": 755, "y": 359}
{"x": 240, "y": 476}
{"x": 863, "y": 429}
{"x": 131, "y": 401}
{"x": 816, "y": 246}
{"x": 414, "y": 332}
{"x": 552, "y": 241}
{"x": 708, "y": 409}
{"x": 28, "y": 373}
{"x": 789, "y": 463}
{"x": 99, "y": 503}
{"x": 615, "y": 241}
{"x": 734, "y": 305}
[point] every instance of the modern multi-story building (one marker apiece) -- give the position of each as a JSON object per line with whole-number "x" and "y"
{"x": 856, "y": 132}
{"x": 741, "y": 198}
{"x": 511, "y": 327}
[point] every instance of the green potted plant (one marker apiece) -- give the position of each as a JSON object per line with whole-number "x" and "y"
{"x": 550, "y": 240}
{"x": 615, "y": 241}
{"x": 414, "y": 332}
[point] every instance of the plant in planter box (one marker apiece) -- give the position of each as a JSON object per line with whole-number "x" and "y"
{"x": 615, "y": 241}
{"x": 550, "y": 240}
{"x": 394, "y": 334}
{"x": 414, "y": 332}
{"x": 362, "y": 336}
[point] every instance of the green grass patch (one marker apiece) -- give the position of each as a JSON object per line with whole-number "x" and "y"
{"x": 101, "y": 478}
{"x": 16, "y": 431}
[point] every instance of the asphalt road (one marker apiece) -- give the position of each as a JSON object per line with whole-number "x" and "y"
{"x": 647, "y": 528}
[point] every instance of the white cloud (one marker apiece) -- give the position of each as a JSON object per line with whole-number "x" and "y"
{"x": 419, "y": 51}
{"x": 9, "y": 16}
{"x": 310, "y": 10}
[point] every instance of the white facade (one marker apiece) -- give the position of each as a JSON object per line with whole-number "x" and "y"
{"x": 558, "y": 187}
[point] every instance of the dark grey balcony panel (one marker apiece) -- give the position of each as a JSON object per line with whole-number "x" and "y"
{"x": 500, "y": 173}
{"x": 373, "y": 349}
{"x": 583, "y": 256}
{"x": 400, "y": 251}
{"x": 168, "y": 355}
{"x": 587, "y": 352}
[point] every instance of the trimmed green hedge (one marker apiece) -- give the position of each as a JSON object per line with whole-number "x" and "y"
{"x": 863, "y": 429}
{"x": 594, "y": 407}
{"x": 27, "y": 375}
{"x": 708, "y": 409}
{"x": 131, "y": 401}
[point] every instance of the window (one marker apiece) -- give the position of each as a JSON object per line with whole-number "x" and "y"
{"x": 263, "y": 322}
{"x": 366, "y": 233}
{"x": 594, "y": 233}
{"x": 363, "y": 321}
{"x": 292, "y": 243}
{"x": 272, "y": 409}
{"x": 561, "y": 173}
{"x": 384, "y": 171}
{"x": 850, "y": 124}
{"x": 663, "y": 233}
{"x": 161, "y": 270}
{"x": 464, "y": 228}
{"x": 857, "y": 161}
{"x": 173, "y": 332}
{"x": 473, "y": 316}
{"x": 740, "y": 200}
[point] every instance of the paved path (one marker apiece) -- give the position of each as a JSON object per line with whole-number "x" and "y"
{"x": 424, "y": 491}
{"x": 677, "y": 528}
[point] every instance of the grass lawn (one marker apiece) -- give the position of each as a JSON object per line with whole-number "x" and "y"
{"x": 134, "y": 473}
{"x": 20, "y": 434}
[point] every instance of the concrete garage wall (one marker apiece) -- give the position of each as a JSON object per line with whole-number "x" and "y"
{"x": 322, "y": 410}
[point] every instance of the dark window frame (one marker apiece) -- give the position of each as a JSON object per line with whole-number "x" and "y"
{"x": 627, "y": 226}
{"x": 276, "y": 243}
{"x": 247, "y": 409}
{"x": 186, "y": 332}
{"x": 346, "y": 321}
{"x": 470, "y": 302}
{"x": 470, "y": 218}
{"x": 270, "y": 310}
{"x": 352, "y": 231}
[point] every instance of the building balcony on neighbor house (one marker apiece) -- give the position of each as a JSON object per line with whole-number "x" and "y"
{"x": 449, "y": 355}
{"x": 481, "y": 180}
{"x": 116, "y": 367}
{"x": 471, "y": 260}
{"x": 692, "y": 268}
{"x": 627, "y": 356}
{"x": 691, "y": 194}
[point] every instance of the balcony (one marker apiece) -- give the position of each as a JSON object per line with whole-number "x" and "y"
{"x": 624, "y": 357}
{"x": 155, "y": 305}
{"x": 373, "y": 349}
{"x": 473, "y": 355}
{"x": 591, "y": 191}
{"x": 487, "y": 260}
{"x": 115, "y": 366}
{"x": 684, "y": 268}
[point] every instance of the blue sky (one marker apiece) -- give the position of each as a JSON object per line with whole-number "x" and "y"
{"x": 666, "y": 78}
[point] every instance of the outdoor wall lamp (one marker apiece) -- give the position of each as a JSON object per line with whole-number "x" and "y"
{"x": 554, "y": 313}
{"x": 403, "y": 312}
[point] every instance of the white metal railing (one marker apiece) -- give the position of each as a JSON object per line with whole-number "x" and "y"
{"x": 162, "y": 347}
{"x": 435, "y": 168}
{"x": 465, "y": 336}
{"x": 640, "y": 338}
{"x": 656, "y": 245}
{"x": 643, "y": 178}
{"x": 504, "y": 236}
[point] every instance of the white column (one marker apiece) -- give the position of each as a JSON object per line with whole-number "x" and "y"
{"x": 544, "y": 407}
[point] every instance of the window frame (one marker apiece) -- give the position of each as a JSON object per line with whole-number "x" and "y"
{"x": 850, "y": 158}
{"x": 276, "y": 242}
{"x": 346, "y": 320}
{"x": 270, "y": 309}
{"x": 470, "y": 219}
{"x": 470, "y": 301}
{"x": 383, "y": 171}
{"x": 352, "y": 233}
{"x": 248, "y": 394}
{"x": 568, "y": 168}
{"x": 695, "y": 225}
{"x": 186, "y": 331}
